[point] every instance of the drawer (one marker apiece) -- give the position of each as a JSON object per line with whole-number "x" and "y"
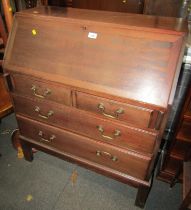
{"x": 29, "y": 86}
{"x": 86, "y": 124}
{"x": 134, "y": 115}
{"x": 123, "y": 161}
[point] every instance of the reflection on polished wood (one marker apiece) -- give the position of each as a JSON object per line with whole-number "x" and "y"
{"x": 8, "y": 13}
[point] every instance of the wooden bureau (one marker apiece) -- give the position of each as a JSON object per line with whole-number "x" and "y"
{"x": 95, "y": 88}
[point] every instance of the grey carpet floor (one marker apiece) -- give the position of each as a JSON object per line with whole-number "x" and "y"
{"x": 46, "y": 184}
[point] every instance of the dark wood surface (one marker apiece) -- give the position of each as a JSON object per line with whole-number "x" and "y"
{"x": 130, "y": 114}
{"x": 170, "y": 8}
{"x": 187, "y": 179}
{"x": 126, "y": 161}
{"x": 184, "y": 133}
{"x": 5, "y": 101}
{"x": 35, "y": 88}
{"x": 186, "y": 203}
{"x": 126, "y": 19}
{"x": 72, "y": 119}
{"x": 132, "y": 6}
{"x": 157, "y": 63}
{"x": 60, "y": 3}
{"x": 81, "y": 72}
{"x": 3, "y": 33}
{"x": 125, "y": 178}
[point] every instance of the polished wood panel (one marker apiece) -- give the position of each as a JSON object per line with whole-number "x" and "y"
{"x": 151, "y": 23}
{"x": 34, "y": 88}
{"x": 113, "y": 109}
{"x": 156, "y": 55}
{"x": 73, "y": 119}
{"x": 126, "y": 161}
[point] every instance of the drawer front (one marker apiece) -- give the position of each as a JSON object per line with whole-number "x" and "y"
{"x": 121, "y": 160}
{"x": 137, "y": 116}
{"x": 35, "y": 88}
{"x": 88, "y": 125}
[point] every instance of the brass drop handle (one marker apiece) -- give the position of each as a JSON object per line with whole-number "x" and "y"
{"x": 50, "y": 113}
{"x": 46, "y": 92}
{"x": 102, "y": 153}
{"x": 49, "y": 140}
{"x": 116, "y": 133}
{"x": 101, "y": 107}
{"x": 124, "y": 1}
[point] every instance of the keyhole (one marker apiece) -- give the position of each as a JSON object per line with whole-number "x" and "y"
{"x": 84, "y": 28}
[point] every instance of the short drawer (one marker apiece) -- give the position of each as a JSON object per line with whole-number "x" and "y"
{"x": 89, "y": 125}
{"x": 31, "y": 87}
{"x": 115, "y": 158}
{"x": 109, "y": 109}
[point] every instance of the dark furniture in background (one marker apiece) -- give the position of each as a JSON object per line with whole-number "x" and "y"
{"x": 5, "y": 102}
{"x": 178, "y": 131}
{"x": 133, "y": 6}
{"x": 170, "y": 8}
{"x": 186, "y": 203}
{"x": 63, "y": 3}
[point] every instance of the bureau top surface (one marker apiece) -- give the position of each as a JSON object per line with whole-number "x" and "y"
{"x": 125, "y": 55}
{"x": 126, "y": 19}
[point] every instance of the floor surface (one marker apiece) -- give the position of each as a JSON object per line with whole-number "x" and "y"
{"x": 49, "y": 183}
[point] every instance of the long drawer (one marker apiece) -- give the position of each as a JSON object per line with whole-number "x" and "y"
{"x": 109, "y": 109}
{"x": 87, "y": 124}
{"x": 124, "y": 161}
{"x": 35, "y": 88}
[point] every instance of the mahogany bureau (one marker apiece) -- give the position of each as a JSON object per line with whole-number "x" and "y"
{"x": 94, "y": 87}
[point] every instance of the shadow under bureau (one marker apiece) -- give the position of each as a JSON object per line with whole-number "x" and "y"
{"x": 94, "y": 87}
